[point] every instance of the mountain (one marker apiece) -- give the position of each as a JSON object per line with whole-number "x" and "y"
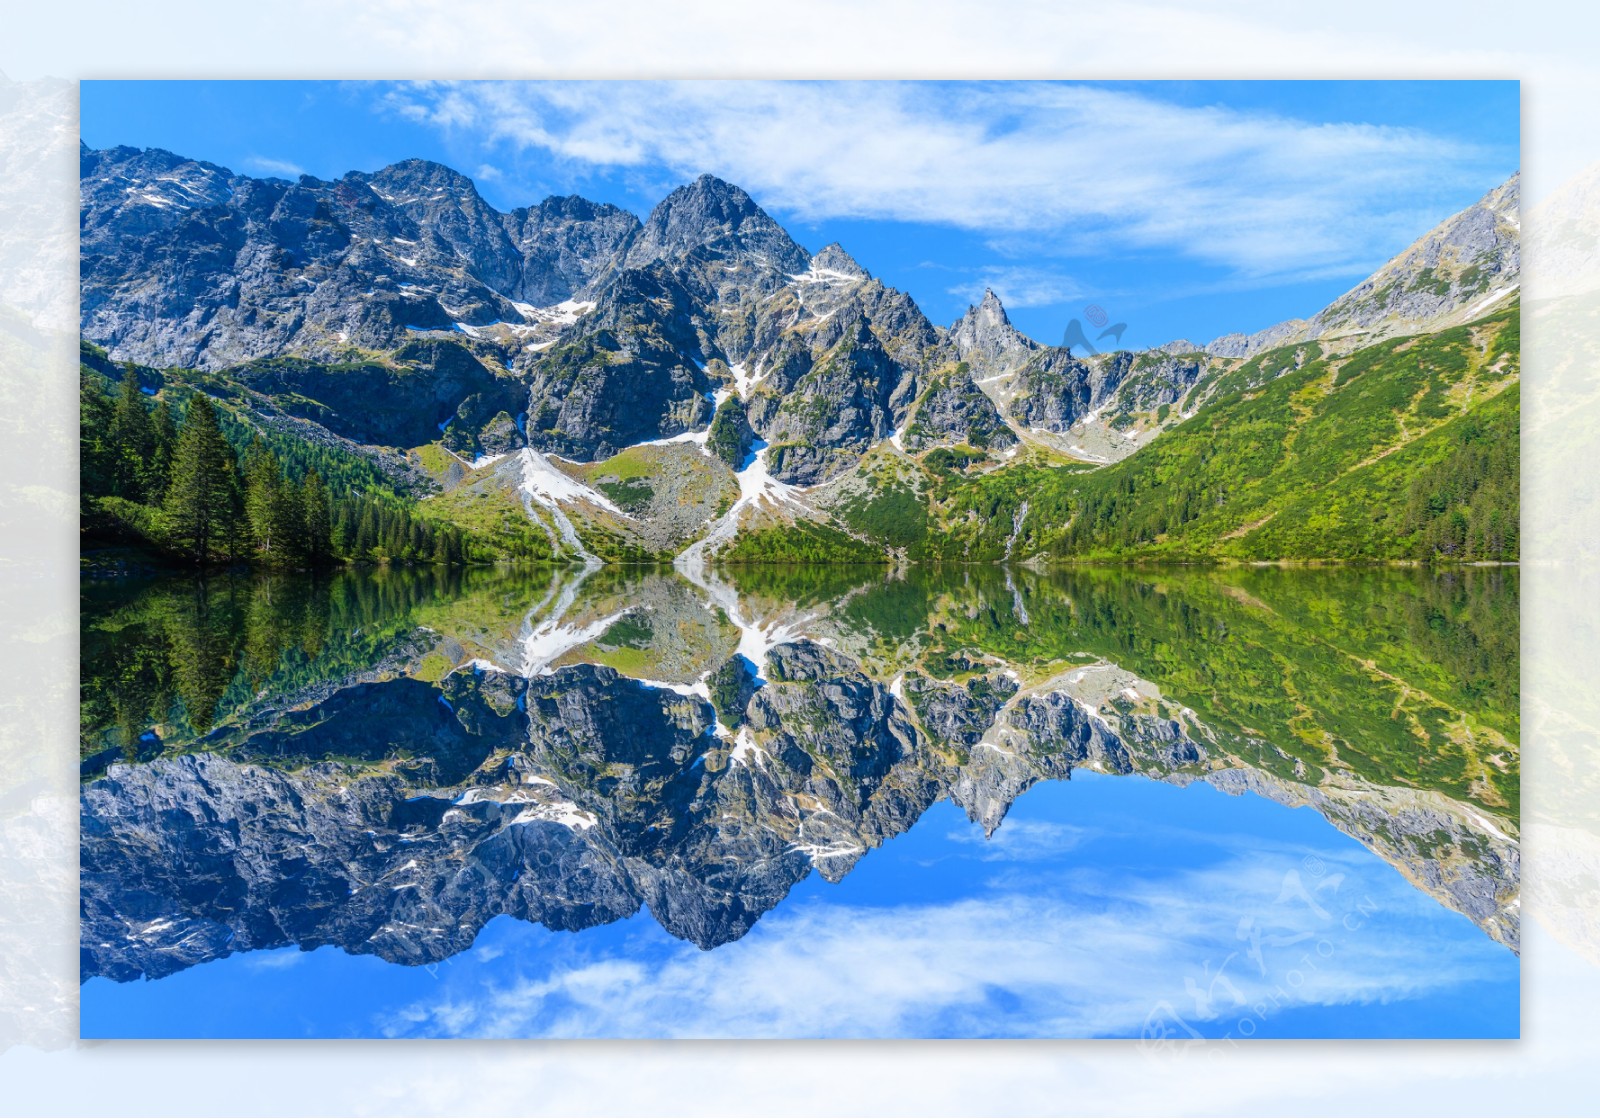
{"x": 985, "y": 337}
{"x": 700, "y": 385}
{"x": 1407, "y": 449}
{"x": 698, "y": 749}
{"x": 187, "y": 264}
{"x": 1466, "y": 266}
{"x": 714, "y": 220}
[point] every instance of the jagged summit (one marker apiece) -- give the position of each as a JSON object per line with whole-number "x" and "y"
{"x": 985, "y": 338}
{"x": 712, "y": 214}
{"x": 574, "y": 328}
{"x": 410, "y": 180}
{"x": 1176, "y": 346}
{"x": 187, "y": 263}
{"x": 572, "y": 206}
{"x": 149, "y": 178}
{"x": 833, "y": 258}
{"x": 991, "y": 307}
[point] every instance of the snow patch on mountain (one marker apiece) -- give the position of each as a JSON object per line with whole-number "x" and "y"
{"x": 545, "y": 482}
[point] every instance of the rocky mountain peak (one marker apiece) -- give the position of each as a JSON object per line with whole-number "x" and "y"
{"x": 990, "y": 308}
{"x": 833, "y": 258}
{"x": 571, "y": 207}
{"x": 186, "y": 263}
{"x": 717, "y": 216}
{"x": 419, "y": 180}
{"x": 985, "y": 338}
{"x": 152, "y": 182}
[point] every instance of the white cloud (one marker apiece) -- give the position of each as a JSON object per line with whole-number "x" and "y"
{"x": 275, "y": 961}
{"x": 1105, "y": 955}
{"x": 1021, "y": 286}
{"x": 279, "y": 167}
{"x": 1022, "y": 840}
{"x": 1257, "y": 192}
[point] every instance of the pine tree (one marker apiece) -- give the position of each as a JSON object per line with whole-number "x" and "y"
{"x": 318, "y": 519}
{"x": 366, "y": 538}
{"x": 344, "y": 530}
{"x": 263, "y": 503}
{"x": 292, "y": 519}
{"x": 133, "y": 439}
{"x": 165, "y": 426}
{"x": 97, "y": 457}
{"x": 202, "y": 503}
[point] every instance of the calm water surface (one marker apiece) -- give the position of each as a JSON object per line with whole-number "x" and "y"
{"x": 782, "y": 802}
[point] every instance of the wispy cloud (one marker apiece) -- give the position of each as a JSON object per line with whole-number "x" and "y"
{"x": 1257, "y": 192}
{"x": 280, "y": 167}
{"x": 1100, "y": 958}
{"x": 1021, "y": 286}
{"x": 275, "y": 961}
{"x": 1022, "y": 840}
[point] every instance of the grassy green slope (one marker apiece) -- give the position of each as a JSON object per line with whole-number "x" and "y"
{"x": 1404, "y": 676}
{"x": 1404, "y": 450}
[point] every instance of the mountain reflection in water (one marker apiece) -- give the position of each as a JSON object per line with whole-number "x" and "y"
{"x": 386, "y": 760}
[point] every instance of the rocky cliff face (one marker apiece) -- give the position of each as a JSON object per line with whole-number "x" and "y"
{"x": 1048, "y": 392}
{"x": 565, "y": 243}
{"x": 953, "y": 409}
{"x": 985, "y": 338}
{"x": 628, "y": 372}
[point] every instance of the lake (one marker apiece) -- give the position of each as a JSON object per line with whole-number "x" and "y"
{"x": 1177, "y": 805}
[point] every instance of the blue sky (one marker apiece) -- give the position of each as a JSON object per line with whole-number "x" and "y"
{"x": 1184, "y": 209}
{"x": 1102, "y": 906}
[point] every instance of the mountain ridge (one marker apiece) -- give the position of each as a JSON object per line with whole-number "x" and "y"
{"x": 1464, "y": 266}
{"x": 833, "y": 388}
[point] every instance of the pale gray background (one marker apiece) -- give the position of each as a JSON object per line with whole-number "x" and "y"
{"x": 43, "y": 1070}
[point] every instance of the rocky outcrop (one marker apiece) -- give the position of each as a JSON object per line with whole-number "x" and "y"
{"x": 1156, "y": 378}
{"x": 952, "y": 409}
{"x": 626, "y": 373}
{"x": 713, "y": 219}
{"x": 954, "y": 714}
{"x": 1054, "y": 390}
{"x": 985, "y": 339}
{"x": 852, "y": 397}
{"x": 565, "y": 244}
{"x": 434, "y": 388}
